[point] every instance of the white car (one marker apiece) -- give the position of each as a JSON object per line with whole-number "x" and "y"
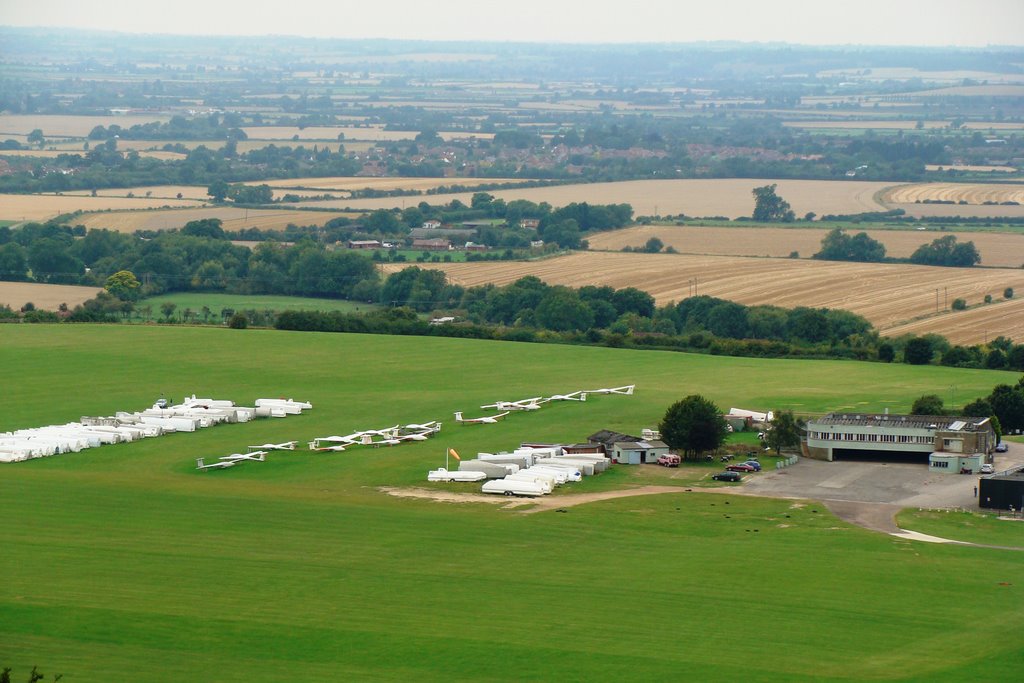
{"x": 987, "y": 468}
{"x": 1001, "y": 447}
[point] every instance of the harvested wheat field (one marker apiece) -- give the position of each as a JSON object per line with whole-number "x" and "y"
{"x": 232, "y": 218}
{"x": 348, "y": 183}
{"x": 43, "y": 297}
{"x": 972, "y": 193}
{"x": 194, "y": 192}
{"x": 69, "y": 126}
{"x": 1004, "y": 318}
{"x": 886, "y": 294}
{"x": 40, "y": 207}
{"x": 54, "y": 153}
{"x": 970, "y": 168}
{"x": 995, "y": 212}
{"x": 1005, "y": 250}
{"x": 730, "y": 197}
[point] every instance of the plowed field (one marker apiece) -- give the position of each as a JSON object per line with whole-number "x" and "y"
{"x": 997, "y": 249}
{"x": 887, "y": 295}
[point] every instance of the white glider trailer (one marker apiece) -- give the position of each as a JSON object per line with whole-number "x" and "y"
{"x": 441, "y": 474}
{"x": 547, "y": 481}
{"x": 492, "y": 470}
{"x": 513, "y": 487}
{"x": 572, "y": 473}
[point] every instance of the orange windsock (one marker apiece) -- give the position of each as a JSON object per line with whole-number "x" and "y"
{"x": 451, "y": 452}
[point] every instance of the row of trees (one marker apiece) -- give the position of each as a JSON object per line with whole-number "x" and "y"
{"x": 837, "y": 245}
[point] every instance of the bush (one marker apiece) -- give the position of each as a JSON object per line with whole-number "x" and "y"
{"x": 988, "y": 298}
{"x": 1008, "y": 293}
{"x": 238, "y": 322}
{"x": 959, "y": 305}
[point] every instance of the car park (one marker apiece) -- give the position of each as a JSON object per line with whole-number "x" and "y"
{"x": 740, "y": 467}
{"x": 727, "y": 476}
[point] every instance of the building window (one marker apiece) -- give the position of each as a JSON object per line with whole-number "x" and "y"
{"x": 940, "y": 463}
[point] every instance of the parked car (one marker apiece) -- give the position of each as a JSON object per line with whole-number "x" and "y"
{"x": 727, "y": 476}
{"x": 987, "y": 468}
{"x": 1001, "y": 447}
{"x": 668, "y": 460}
{"x": 753, "y": 463}
{"x": 740, "y": 467}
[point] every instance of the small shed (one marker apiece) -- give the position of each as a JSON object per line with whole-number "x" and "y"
{"x": 638, "y": 452}
{"x": 1002, "y": 491}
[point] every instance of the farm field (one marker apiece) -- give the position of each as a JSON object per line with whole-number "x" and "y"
{"x": 730, "y": 197}
{"x": 242, "y": 302}
{"x": 232, "y": 218}
{"x": 965, "y": 210}
{"x": 40, "y": 207}
{"x": 348, "y": 183}
{"x": 996, "y": 249}
{"x": 66, "y": 125}
{"x": 54, "y": 153}
{"x": 980, "y": 323}
{"x": 976, "y": 169}
{"x": 196, "y": 192}
{"x": 116, "y": 558}
{"x": 886, "y": 294}
{"x": 972, "y": 193}
{"x": 43, "y": 297}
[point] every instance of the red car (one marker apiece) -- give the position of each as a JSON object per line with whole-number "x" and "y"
{"x": 741, "y": 467}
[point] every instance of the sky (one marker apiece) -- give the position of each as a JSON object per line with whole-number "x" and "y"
{"x": 968, "y": 23}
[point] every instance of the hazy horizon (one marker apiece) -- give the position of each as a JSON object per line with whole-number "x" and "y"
{"x": 911, "y": 23}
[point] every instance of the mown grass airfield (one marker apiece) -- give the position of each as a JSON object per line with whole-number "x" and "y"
{"x": 125, "y": 562}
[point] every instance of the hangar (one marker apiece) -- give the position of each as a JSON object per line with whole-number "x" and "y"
{"x": 947, "y": 443}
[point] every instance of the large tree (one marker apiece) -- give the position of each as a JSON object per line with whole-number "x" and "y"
{"x": 784, "y": 431}
{"x": 918, "y": 351}
{"x": 929, "y": 404}
{"x": 693, "y": 426}
{"x": 770, "y": 207}
{"x": 124, "y": 285}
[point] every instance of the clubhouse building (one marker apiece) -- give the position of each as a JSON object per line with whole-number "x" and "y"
{"x": 946, "y": 443}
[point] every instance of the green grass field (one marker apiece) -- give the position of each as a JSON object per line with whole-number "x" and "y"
{"x": 973, "y": 527}
{"x": 242, "y": 302}
{"x": 124, "y": 562}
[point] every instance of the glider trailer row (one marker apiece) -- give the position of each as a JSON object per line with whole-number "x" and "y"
{"x": 90, "y": 432}
{"x": 526, "y": 472}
